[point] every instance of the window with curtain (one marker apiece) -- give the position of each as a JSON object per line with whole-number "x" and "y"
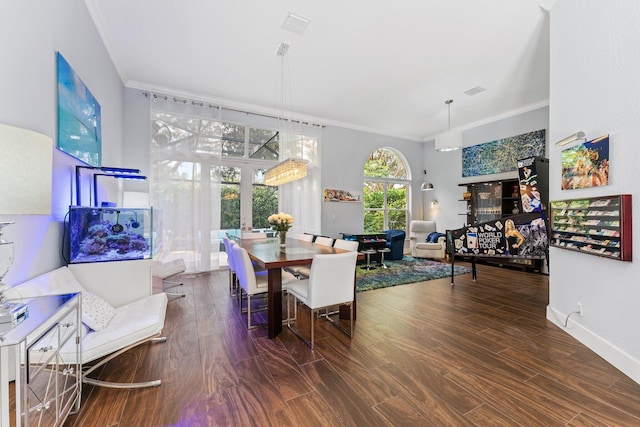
{"x": 386, "y": 191}
{"x": 207, "y": 178}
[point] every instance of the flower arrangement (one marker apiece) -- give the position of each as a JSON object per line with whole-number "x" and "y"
{"x": 281, "y": 222}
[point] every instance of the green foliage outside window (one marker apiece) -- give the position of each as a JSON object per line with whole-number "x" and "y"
{"x": 390, "y": 212}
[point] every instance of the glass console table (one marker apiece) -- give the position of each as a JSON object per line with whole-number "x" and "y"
{"x": 48, "y": 381}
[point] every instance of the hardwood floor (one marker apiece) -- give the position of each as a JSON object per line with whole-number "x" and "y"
{"x": 423, "y": 354}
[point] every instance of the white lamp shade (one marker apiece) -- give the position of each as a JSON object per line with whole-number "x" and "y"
{"x": 449, "y": 141}
{"x": 26, "y": 164}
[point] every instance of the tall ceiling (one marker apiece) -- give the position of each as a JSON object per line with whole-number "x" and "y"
{"x": 378, "y": 65}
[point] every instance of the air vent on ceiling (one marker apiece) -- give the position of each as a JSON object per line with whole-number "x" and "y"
{"x": 474, "y": 90}
{"x": 295, "y": 23}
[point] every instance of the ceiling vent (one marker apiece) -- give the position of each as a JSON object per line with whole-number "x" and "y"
{"x": 474, "y": 90}
{"x": 295, "y": 23}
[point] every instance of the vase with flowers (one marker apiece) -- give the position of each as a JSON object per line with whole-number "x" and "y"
{"x": 281, "y": 222}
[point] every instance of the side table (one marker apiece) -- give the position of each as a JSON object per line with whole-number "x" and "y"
{"x": 47, "y": 388}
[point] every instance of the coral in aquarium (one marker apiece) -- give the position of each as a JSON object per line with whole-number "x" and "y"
{"x": 103, "y": 242}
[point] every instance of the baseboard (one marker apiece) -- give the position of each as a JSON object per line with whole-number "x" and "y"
{"x": 622, "y": 361}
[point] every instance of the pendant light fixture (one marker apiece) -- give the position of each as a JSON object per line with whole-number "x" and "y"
{"x": 290, "y": 169}
{"x": 426, "y": 186}
{"x": 449, "y": 140}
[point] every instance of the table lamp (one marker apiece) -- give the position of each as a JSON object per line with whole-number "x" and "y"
{"x": 26, "y": 166}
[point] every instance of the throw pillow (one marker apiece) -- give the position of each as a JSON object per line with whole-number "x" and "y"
{"x": 96, "y": 312}
{"x": 433, "y": 237}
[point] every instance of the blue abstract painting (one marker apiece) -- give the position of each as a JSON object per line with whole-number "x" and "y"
{"x": 79, "y": 128}
{"x": 503, "y": 154}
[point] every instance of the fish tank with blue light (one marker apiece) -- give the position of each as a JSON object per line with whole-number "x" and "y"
{"x": 98, "y": 234}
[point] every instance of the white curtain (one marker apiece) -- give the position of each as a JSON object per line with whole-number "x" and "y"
{"x": 185, "y": 148}
{"x": 302, "y": 198}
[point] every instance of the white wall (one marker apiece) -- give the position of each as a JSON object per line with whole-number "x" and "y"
{"x": 444, "y": 169}
{"x": 344, "y": 154}
{"x": 31, "y": 32}
{"x": 595, "y": 58}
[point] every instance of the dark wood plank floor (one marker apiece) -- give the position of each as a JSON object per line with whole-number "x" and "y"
{"x": 423, "y": 354}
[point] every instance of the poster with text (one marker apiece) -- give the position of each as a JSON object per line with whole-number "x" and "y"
{"x": 518, "y": 236}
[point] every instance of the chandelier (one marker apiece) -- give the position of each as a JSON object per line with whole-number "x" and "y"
{"x": 287, "y": 171}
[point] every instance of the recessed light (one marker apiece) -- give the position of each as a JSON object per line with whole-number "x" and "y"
{"x": 295, "y": 23}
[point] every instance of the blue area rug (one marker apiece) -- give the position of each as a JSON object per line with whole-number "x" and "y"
{"x": 407, "y": 270}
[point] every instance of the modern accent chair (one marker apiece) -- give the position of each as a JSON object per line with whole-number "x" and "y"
{"x": 330, "y": 283}
{"x": 395, "y": 242}
{"x": 420, "y": 248}
{"x": 107, "y": 330}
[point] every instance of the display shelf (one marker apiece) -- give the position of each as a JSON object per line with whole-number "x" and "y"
{"x": 598, "y": 226}
{"x": 491, "y": 200}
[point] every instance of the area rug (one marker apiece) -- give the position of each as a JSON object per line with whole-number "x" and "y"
{"x": 401, "y": 272}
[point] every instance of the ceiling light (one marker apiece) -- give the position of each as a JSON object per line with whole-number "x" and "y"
{"x": 287, "y": 171}
{"x": 295, "y": 23}
{"x": 449, "y": 141}
{"x": 576, "y": 136}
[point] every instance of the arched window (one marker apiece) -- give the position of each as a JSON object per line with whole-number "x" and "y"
{"x": 386, "y": 191}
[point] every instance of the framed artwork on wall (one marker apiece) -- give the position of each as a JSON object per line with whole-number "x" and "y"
{"x": 334, "y": 195}
{"x": 79, "y": 124}
{"x": 586, "y": 165}
{"x": 502, "y": 155}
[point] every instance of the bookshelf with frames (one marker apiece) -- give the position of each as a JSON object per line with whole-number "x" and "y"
{"x": 597, "y": 225}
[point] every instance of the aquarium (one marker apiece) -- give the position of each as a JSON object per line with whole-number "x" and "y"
{"x": 110, "y": 234}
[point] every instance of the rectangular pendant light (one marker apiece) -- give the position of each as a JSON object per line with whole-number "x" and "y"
{"x": 287, "y": 171}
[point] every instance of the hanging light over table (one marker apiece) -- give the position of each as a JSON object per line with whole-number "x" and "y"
{"x": 286, "y": 171}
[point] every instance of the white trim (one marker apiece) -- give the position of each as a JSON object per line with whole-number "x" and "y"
{"x": 622, "y": 361}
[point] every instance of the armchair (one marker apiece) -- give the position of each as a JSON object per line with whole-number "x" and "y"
{"x": 420, "y": 248}
{"x": 395, "y": 242}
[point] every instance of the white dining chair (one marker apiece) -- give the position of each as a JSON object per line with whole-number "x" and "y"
{"x": 324, "y": 241}
{"x": 330, "y": 283}
{"x": 347, "y": 245}
{"x": 305, "y": 237}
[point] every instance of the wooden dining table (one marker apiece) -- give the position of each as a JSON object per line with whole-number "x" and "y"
{"x": 268, "y": 253}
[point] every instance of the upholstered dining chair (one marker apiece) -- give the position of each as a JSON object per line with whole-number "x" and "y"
{"x": 324, "y": 241}
{"x": 233, "y": 279}
{"x": 330, "y": 283}
{"x": 250, "y": 283}
{"x": 305, "y": 237}
{"x": 347, "y": 245}
{"x": 253, "y": 283}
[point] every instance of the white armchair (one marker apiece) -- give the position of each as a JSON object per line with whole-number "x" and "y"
{"x": 420, "y": 248}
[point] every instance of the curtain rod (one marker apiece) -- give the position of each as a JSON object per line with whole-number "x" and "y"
{"x": 220, "y": 107}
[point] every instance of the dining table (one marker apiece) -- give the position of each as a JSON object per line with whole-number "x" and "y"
{"x": 270, "y": 255}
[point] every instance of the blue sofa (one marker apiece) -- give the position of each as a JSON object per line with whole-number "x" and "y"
{"x": 395, "y": 242}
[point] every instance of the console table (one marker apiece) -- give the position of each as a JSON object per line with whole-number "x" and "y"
{"x": 47, "y": 388}
{"x": 368, "y": 241}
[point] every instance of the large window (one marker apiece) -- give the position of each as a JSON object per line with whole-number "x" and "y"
{"x": 207, "y": 178}
{"x": 386, "y": 192}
